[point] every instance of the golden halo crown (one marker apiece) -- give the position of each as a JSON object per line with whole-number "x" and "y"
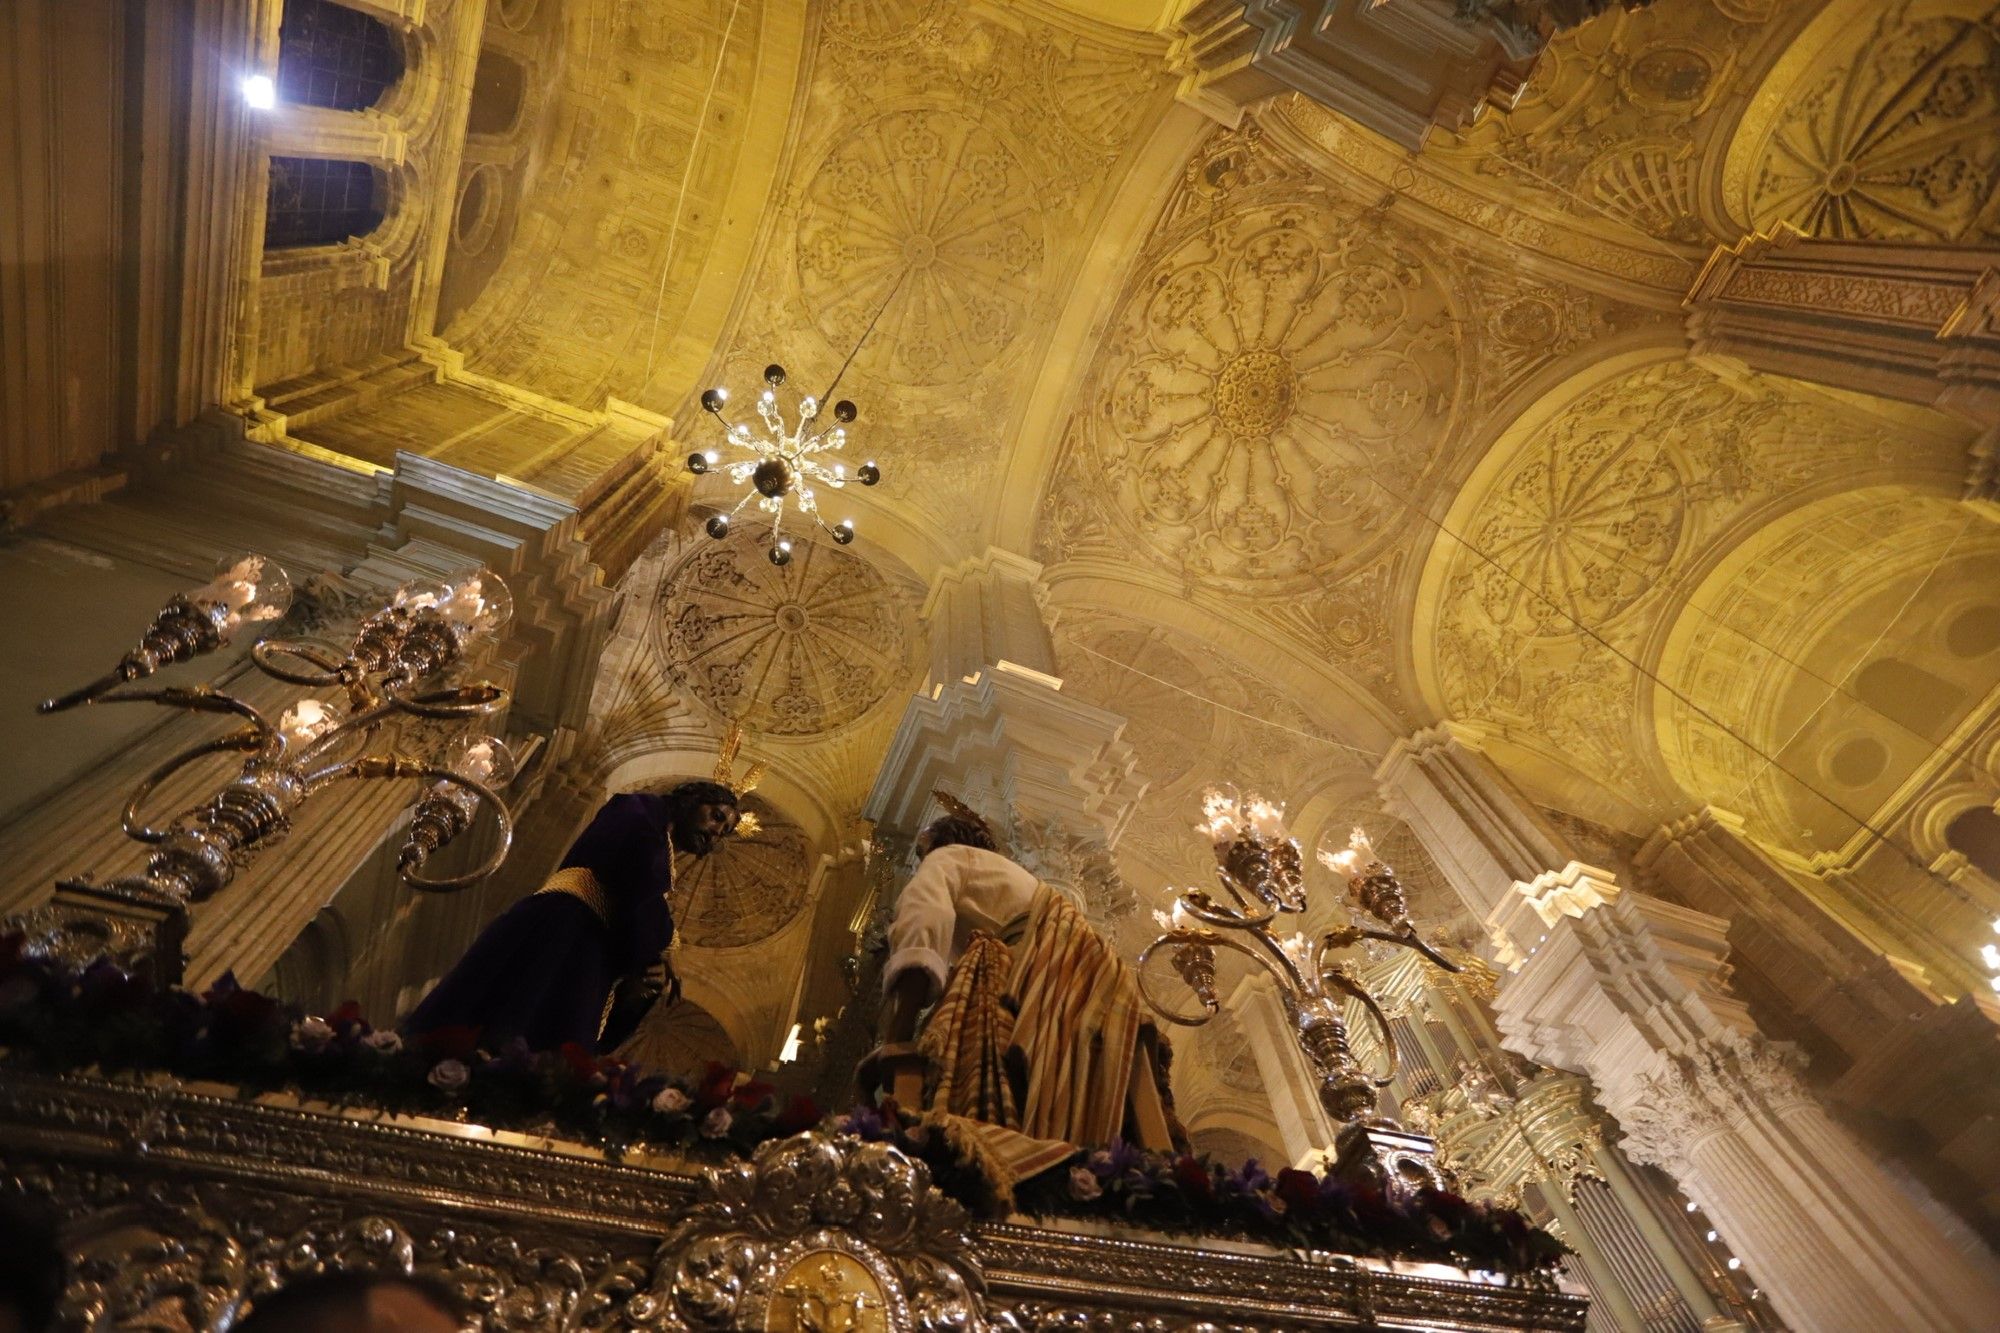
{"x": 747, "y": 823}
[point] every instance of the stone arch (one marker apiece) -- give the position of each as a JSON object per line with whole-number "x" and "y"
{"x": 334, "y": 56}
{"x": 317, "y": 201}
{"x": 1787, "y": 642}
{"x": 1589, "y": 525}
{"x": 1880, "y": 122}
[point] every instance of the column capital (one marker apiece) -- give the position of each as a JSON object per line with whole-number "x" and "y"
{"x": 987, "y": 611}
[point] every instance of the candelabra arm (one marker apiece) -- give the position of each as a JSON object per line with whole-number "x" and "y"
{"x": 243, "y": 742}
{"x": 271, "y": 654}
{"x": 1410, "y": 940}
{"x": 1203, "y": 909}
{"x": 438, "y": 816}
{"x": 1346, "y": 985}
{"x": 461, "y": 701}
{"x": 1195, "y": 960}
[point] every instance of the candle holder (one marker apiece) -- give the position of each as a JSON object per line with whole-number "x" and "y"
{"x": 387, "y": 672}
{"x": 1261, "y": 873}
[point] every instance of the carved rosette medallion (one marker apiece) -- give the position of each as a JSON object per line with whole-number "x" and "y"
{"x": 1900, "y": 141}
{"x": 822, "y": 1234}
{"x": 927, "y": 224}
{"x": 1270, "y": 389}
{"x": 795, "y": 650}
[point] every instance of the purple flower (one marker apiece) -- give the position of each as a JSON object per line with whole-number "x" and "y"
{"x": 716, "y": 1123}
{"x": 672, "y": 1101}
{"x": 1083, "y": 1185}
{"x": 865, "y": 1122}
{"x": 312, "y": 1035}
{"x": 450, "y": 1076}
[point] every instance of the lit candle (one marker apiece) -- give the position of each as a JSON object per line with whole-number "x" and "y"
{"x": 1267, "y": 817}
{"x": 306, "y": 721}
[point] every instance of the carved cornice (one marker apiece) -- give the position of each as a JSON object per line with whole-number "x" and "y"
{"x": 252, "y": 1195}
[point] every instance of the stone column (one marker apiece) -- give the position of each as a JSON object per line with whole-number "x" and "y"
{"x": 1482, "y": 832}
{"x": 1289, "y": 1081}
{"x": 1871, "y": 1017}
{"x": 1630, "y": 990}
{"x": 1400, "y": 70}
{"x": 994, "y": 728}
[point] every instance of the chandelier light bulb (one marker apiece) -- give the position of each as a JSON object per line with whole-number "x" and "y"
{"x": 306, "y": 721}
{"x": 783, "y": 459}
{"x": 260, "y": 92}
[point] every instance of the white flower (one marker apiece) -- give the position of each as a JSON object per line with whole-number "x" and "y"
{"x": 1083, "y": 1185}
{"x": 312, "y": 1034}
{"x": 450, "y": 1075}
{"x": 384, "y": 1040}
{"x": 716, "y": 1123}
{"x": 670, "y": 1101}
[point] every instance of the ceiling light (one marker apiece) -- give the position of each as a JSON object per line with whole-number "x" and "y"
{"x": 259, "y": 91}
{"x": 781, "y": 462}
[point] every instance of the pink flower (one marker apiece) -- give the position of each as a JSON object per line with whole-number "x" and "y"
{"x": 716, "y": 1123}
{"x": 385, "y": 1041}
{"x": 450, "y": 1076}
{"x": 1083, "y": 1185}
{"x": 670, "y": 1101}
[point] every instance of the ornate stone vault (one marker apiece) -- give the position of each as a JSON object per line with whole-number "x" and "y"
{"x": 789, "y": 651}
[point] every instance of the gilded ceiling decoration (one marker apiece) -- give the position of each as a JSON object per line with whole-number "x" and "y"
{"x": 1588, "y": 532}
{"x": 927, "y": 221}
{"x": 1899, "y": 141}
{"x": 1260, "y": 374}
{"x": 746, "y": 890}
{"x": 949, "y": 173}
{"x": 789, "y": 651}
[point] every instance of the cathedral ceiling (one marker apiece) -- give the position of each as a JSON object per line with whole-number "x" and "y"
{"x": 1250, "y": 390}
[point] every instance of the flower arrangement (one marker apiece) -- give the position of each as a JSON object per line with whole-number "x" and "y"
{"x": 1179, "y": 1193}
{"x": 104, "y": 1018}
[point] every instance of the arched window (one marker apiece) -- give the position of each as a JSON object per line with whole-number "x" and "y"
{"x": 319, "y": 201}
{"x": 1975, "y": 835}
{"x": 333, "y": 56}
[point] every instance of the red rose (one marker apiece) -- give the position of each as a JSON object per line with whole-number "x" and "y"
{"x": 1193, "y": 1178}
{"x": 1298, "y": 1190}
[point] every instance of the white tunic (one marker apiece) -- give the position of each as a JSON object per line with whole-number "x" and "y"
{"x": 955, "y": 891}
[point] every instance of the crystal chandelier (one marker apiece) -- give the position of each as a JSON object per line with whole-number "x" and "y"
{"x": 1260, "y": 869}
{"x": 782, "y": 463}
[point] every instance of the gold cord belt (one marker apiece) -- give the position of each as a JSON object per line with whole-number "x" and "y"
{"x": 579, "y": 883}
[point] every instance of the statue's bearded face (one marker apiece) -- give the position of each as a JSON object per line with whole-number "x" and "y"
{"x": 703, "y": 824}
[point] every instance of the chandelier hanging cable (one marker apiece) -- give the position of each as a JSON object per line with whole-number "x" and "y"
{"x": 782, "y": 462}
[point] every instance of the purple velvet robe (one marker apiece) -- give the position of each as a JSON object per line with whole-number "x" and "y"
{"x": 543, "y": 969}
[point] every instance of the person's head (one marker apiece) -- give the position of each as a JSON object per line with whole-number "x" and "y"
{"x": 701, "y": 815}
{"x": 31, "y": 1270}
{"x": 357, "y": 1303}
{"x": 955, "y": 831}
